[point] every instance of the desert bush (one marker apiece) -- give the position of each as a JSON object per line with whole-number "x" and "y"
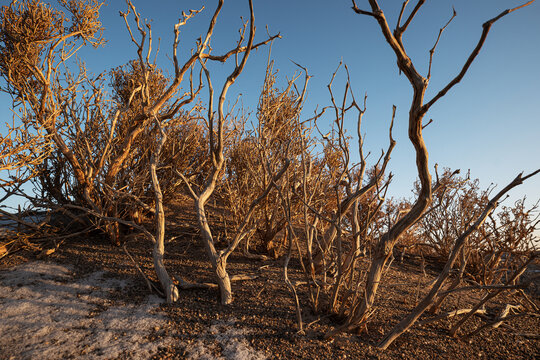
{"x": 457, "y": 203}
{"x": 32, "y": 35}
{"x": 97, "y": 146}
{"x": 503, "y": 242}
{"x": 277, "y": 137}
{"x": 494, "y": 247}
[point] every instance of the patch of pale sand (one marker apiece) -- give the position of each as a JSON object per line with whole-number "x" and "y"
{"x": 225, "y": 338}
{"x": 45, "y": 314}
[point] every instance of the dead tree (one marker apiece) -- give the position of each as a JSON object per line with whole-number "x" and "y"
{"x": 429, "y": 299}
{"x": 419, "y": 107}
{"x": 169, "y": 287}
{"x": 216, "y": 123}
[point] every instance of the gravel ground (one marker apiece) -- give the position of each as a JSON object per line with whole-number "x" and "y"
{"x": 87, "y": 300}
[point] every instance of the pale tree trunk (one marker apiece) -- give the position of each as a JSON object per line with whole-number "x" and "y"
{"x": 169, "y": 288}
{"x": 216, "y": 140}
{"x": 219, "y": 259}
{"x": 219, "y": 263}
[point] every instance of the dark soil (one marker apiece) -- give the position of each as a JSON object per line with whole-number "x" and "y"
{"x": 264, "y": 307}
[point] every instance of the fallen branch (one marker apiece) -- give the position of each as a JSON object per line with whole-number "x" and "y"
{"x": 188, "y": 285}
{"x": 20, "y": 221}
{"x": 486, "y": 287}
{"x": 243, "y": 277}
{"x": 529, "y": 301}
{"x": 450, "y": 314}
{"x": 492, "y": 295}
{"x": 497, "y": 322}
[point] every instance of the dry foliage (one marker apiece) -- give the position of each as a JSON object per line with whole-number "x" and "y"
{"x": 277, "y": 138}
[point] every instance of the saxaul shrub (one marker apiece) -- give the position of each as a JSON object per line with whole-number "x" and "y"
{"x": 277, "y": 138}
{"x": 497, "y": 245}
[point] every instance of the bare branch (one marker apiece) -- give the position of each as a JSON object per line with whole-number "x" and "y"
{"x": 361, "y": 12}
{"x": 403, "y": 6}
{"x": 486, "y": 27}
{"x": 432, "y": 51}
{"x": 400, "y": 30}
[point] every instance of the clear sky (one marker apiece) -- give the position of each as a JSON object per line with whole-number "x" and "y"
{"x": 489, "y": 123}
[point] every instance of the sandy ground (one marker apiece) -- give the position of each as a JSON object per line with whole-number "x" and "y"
{"x": 48, "y": 313}
{"x": 225, "y": 338}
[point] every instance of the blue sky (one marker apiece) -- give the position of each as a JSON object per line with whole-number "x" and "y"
{"x": 488, "y": 123}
